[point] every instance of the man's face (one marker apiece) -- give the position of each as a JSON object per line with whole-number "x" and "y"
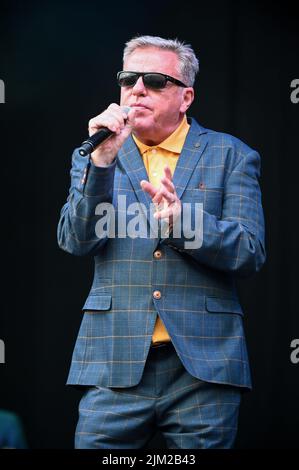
{"x": 158, "y": 112}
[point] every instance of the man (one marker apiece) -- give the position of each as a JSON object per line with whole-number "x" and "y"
{"x": 161, "y": 344}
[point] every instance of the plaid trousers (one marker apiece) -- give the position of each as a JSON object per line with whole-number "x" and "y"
{"x": 190, "y": 413}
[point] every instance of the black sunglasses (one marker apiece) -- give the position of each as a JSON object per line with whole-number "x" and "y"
{"x": 153, "y": 80}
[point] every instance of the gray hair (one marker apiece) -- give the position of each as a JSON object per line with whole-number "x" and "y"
{"x": 188, "y": 62}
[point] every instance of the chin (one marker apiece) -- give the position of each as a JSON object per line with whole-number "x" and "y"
{"x": 142, "y": 125}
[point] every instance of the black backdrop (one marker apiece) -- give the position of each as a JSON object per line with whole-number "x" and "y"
{"x": 58, "y": 61}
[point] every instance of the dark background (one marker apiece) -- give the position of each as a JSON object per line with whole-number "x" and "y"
{"x": 58, "y": 60}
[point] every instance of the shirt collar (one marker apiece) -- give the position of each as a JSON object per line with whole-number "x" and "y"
{"x": 173, "y": 143}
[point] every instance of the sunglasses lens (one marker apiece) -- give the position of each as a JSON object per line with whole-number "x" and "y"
{"x": 127, "y": 78}
{"x": 154, "y": 80}
{"x": 150, "y": 80}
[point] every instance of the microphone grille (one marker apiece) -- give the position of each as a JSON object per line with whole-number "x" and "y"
{"x": 126, "y": 109}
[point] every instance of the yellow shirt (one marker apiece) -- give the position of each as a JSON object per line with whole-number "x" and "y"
{"x": 155, "y": 158}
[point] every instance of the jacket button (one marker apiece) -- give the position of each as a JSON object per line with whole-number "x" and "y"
{"x": 158, "y": 254}
{"x": 157, "y": 294}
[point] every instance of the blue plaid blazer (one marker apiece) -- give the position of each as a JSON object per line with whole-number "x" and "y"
{"x": 199, "y": 303}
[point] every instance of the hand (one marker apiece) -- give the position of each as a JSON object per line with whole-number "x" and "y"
{"x": 118, "y": 122}
{"x": 168, "y": 205}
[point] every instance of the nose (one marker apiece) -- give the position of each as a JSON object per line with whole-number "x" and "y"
{"x": 139, "y": 88}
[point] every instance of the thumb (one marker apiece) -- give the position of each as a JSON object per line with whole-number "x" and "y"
{"x": 126, "y": 131}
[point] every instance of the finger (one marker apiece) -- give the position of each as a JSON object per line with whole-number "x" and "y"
{"x": 170, "y": 197}
{"x": 167, "y": 172}
{"x": 117, "y": 118}
{"x": 127, "y": 117}
{"x": 112, "y": 118}
{"x": 158, "y": 196}
{"x": 128, "y": 128}
{"x": 130, "y": 118}
{"x": 121, "y": 111}
{"x": 149, "y": 188}
{"x": 116, "y": 108}
{"x": 169, "y": 185}
{"x": 164, "y": 214}
{"x": 170, "y": 212}
{"x": 103, "y": 121}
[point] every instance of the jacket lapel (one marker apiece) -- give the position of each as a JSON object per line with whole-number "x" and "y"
{"x": 131, "y": 161}
{"x": 194, "y": 146}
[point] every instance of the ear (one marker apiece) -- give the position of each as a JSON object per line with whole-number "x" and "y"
{"x": 187, "y": 99}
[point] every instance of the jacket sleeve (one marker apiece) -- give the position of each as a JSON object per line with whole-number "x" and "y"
{"x": 233, "y": 242}
{"x": 90, "y": 186}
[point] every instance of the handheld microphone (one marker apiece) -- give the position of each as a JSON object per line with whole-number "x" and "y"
{"x": 90, "y": 144}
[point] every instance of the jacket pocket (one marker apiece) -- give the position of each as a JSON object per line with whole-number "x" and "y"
{"x": 98, "y": 302}
{"x": 223, "y": 305}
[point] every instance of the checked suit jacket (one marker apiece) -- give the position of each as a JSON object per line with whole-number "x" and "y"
{"x": 199, "y": 302}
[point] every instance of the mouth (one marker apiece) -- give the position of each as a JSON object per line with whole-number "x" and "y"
{"x": 138, "y": 106}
